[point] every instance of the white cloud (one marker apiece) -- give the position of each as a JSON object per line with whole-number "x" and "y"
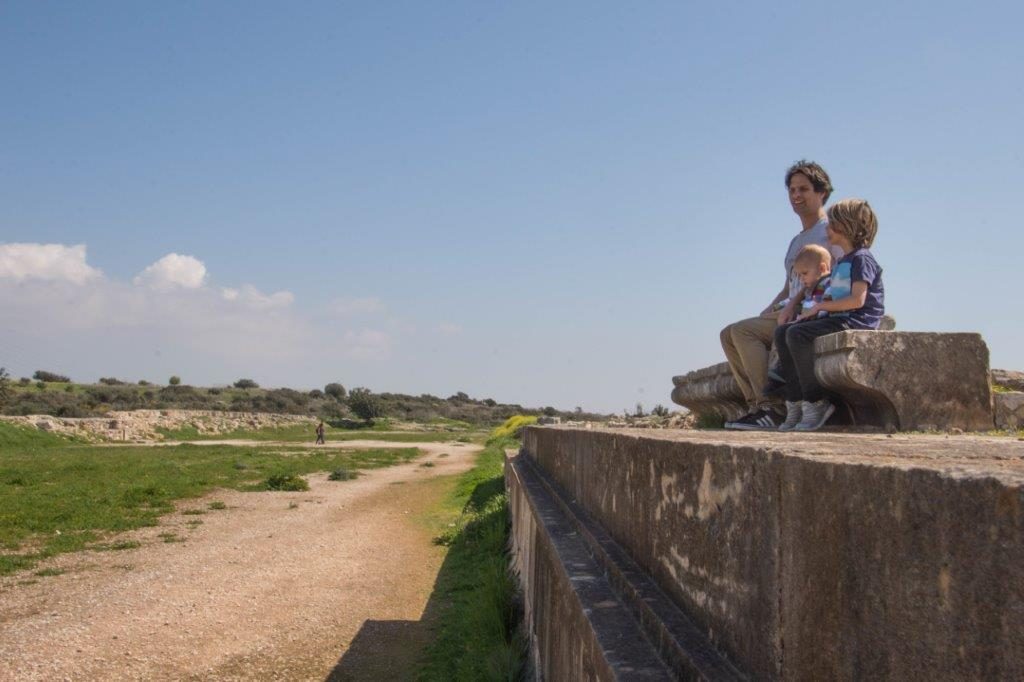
{"x": 348, "y": 305}
{"x": 254, "y": 298}
{"x": 49, "y": 262}
{"x": 173, "y": 271}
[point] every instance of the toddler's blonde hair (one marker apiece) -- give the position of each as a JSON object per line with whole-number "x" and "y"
{"x": 814, "y": 253}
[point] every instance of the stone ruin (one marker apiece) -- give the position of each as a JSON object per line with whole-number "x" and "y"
{"x": 139, "y": 426}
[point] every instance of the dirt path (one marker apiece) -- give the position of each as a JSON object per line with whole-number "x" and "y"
{"x": 276, "y": 586}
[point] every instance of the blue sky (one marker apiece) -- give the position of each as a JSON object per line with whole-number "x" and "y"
{"x": 544, "y": 203}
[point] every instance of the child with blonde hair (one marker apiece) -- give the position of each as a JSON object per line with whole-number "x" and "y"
{"x": 855, "y": 299}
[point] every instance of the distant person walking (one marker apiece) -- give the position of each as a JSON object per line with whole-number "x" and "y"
{"x": 320, "y": 433}
{"x": 747, "y": 343}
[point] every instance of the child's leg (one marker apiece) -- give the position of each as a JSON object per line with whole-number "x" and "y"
{"x": 787, "y": 367}
{"x": 800, "y": 345}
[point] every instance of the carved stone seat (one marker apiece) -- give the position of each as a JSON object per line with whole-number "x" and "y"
{"x": 882, "y": 379}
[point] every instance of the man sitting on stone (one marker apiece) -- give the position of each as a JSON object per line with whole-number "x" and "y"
{"x": 748, "y": 342}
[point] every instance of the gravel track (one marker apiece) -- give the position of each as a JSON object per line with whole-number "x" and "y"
{"x": 261, "y": 590}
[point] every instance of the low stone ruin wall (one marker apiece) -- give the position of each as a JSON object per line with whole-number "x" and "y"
{"x": 796, "y": 556}
{"x": 142, "y": 425}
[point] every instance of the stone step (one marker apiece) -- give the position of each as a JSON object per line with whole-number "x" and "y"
{"x": 680, "y": 643}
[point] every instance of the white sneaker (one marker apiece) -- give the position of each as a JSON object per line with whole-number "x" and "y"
{"x": 814, "y": 415}
{"x": 794, "y": 413}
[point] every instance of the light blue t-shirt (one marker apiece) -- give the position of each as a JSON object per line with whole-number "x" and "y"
{"x": 859, "y": 266}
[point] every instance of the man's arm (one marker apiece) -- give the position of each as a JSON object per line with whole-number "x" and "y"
{"x": 778, "y": 297}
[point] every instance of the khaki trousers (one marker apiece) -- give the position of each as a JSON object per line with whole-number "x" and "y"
{"x": 746, "y": 344}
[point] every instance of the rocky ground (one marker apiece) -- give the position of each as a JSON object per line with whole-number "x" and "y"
{"x": 139, "y": 426}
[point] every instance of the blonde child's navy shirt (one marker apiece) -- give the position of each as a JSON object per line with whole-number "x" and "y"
{"x": 859, "y": 266}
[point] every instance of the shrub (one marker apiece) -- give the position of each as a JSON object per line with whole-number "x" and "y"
{"x": 512, "y": 427}
{"x": 52, "y": 377}
{"x": 143, "y": 382}
{"x": 174, "y": 380}
{"x": 24, "y": 381}
{"x": 316, "y": 394}
{"x": 660, "y": 411}
{"x": 335, "y": 390}
{"x": 709, "y": 420}
{"x": 41, "y": 385}
{"x": 111, "y": 381}
{"x": 5, "y": 386}
{"x": 246, "y": 383}
{"x": 365, "y": 404}
{"x": 342, "y": 475}
{"x": 286, "y": 482}
{"x": 549, "y": 411}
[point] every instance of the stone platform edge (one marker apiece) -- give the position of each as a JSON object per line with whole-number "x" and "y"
{"x": 820, "y": 556}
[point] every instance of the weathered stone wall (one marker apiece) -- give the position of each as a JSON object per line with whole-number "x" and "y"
{"x": 818, "y": 556}
{"x": 142, "y": 425}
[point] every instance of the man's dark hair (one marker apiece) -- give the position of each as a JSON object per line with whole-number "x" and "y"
{"x": 813, "y": 172}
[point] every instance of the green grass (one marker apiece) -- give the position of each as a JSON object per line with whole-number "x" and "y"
{"x": 56, "y": 497}
{"x": 301, "y": 433}
{"x": 478, "y": 629}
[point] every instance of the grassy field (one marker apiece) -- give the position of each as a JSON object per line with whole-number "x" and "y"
{"x": 57, "y": 496}
{"x": 474, "y": 606}
{"x": 301, "y": 433}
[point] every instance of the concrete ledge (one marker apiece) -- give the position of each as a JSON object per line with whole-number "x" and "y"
{"x": 817, "y": 556}
{"x": 887, "y": 380}
{"x": 908, "y": 380}
{"x": 710, "y": 390}
{"x": 679, "y": 643}
{"x": 578, "y": 629}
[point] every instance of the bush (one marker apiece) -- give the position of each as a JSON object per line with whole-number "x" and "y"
{"x": 512, "y": 427}
{"x": 24, "y": 381}
{"x": 365, "y": 404}
{"x": 111, "y": 381}
{"x": 41, "y": 385}
{"x": 335, "y": 390}
{"x": 52, "y": 377}
{"x": 174, "y": 381}
{"x": 286, "y": 482}
{"x": 316, "y": 394}
{"x": 5, "y": 386}
{"x": 660, "y": 411}
{"x": 246, "y": 383}
{"x": 143, "y": 382}
{"x": 342, "y": 475}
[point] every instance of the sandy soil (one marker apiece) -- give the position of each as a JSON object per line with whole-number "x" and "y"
{"x": 276, "y": 586}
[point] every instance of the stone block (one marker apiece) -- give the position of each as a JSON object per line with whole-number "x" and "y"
{"x": 1009, "y": 410}
{"x": 710, "y": 390}
{"x": 1008, "y": 379}
{"x": 908, "y": 380}
{"x": 818, "y": 556}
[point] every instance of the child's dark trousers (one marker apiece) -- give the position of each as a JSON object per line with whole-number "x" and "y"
{"x": 795, "y": 343}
